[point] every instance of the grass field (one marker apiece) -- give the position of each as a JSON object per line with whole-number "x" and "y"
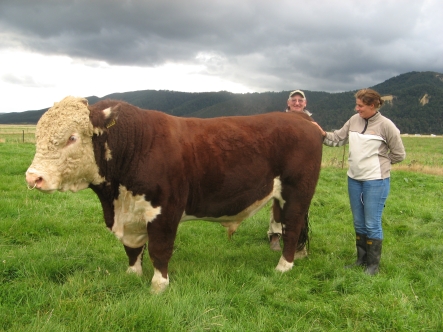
{"x": 61, "y": 270}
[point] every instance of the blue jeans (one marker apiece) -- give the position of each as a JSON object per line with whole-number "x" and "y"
{"x": 367, "y": 200}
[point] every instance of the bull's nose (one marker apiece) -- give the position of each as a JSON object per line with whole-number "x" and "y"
{"x": 33, "y": 179}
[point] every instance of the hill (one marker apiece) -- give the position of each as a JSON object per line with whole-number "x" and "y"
{"x": 414, "y": 101}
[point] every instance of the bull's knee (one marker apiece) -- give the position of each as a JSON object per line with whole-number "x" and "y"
{"x": 135, "y": 256}
{"x": 283, "y": 265}
{"x": 158, "y": 282}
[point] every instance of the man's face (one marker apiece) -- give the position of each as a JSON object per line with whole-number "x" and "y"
{"x": 296, "y": 103}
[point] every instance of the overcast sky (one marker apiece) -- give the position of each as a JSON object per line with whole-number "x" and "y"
{"x": 53, "y": 48}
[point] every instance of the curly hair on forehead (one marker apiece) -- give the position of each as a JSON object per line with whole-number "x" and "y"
{"x": 370, "y": 97}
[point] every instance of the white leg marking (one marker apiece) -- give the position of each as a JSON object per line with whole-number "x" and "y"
{"x": 277, "y": 191}
{"x": 283, "y": 265}
{"x": 137, "y": 267}
{"x": 158, "y": 283}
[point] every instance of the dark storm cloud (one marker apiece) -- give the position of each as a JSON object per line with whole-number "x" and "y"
{"x": 266, "y": 45}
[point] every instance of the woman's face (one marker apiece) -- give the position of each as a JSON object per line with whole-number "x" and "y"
{"x": 365, "y": 111}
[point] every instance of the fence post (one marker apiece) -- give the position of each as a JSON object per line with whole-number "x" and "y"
{"x": 23, "y": 136}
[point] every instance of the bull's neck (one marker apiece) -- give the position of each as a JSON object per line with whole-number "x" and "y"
{"x": 118, "y": 151}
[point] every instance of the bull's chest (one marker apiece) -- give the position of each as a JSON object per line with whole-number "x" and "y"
{"x": 132, "y": 213}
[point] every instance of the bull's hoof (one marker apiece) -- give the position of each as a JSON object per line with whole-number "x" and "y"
{"x": 158, "y": 283}
{"x": 283, "y": 265}
{"x": 301, "y": 254}
{"x": 135, "y": 269}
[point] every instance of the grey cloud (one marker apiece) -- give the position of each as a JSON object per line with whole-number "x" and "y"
{"x": 25, "y": 81}
{"x": 267, "y": 45}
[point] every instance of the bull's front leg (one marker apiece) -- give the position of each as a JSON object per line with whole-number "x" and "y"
{"x": 135, "y": 256}
{"x": 160, "y": 256}
{"x": 160, "y": 247}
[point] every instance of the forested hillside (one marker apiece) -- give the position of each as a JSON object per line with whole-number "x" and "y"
{"x": 414, "y": 103}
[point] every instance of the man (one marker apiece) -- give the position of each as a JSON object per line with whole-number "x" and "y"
{"x": 296, "y": 103}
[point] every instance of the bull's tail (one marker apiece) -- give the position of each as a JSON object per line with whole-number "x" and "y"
{"x": 303, "y": 239}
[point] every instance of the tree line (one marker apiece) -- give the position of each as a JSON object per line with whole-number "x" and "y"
{"x": 330, "y": 110}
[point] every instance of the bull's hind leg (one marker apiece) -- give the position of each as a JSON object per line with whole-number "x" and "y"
{"x": 303, "y": 239}
{"x": 292, "y": 228}
{"x": 294, "y": 223}
{"x": 135, "y": 256}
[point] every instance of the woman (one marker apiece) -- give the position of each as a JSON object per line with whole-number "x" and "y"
{"x": 374, "y": 144}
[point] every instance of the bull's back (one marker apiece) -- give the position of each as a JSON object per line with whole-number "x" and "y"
{"x": 258, "y": 132}
{"x": 241, "y": 144}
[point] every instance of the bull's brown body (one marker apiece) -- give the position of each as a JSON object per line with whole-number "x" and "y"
{"x": 153, "y": 170}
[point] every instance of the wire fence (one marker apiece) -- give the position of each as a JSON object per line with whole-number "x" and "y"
{"x": 17, "y": 133}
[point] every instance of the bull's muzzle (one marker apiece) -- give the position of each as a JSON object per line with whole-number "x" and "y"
{"x": 33, "y": 180}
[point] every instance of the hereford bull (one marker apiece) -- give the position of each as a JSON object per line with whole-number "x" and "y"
{"x": 151, "y": 171}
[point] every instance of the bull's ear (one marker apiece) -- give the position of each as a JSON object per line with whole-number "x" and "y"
{"x": 111, "y": 115}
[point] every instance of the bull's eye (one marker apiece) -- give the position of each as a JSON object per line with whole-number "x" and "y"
{"x": 72, "y": 139}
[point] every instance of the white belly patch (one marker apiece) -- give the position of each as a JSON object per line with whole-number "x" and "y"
{"x": 131, "y": 216}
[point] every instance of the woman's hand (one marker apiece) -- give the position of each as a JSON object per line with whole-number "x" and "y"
{"x": 320, "y": 128}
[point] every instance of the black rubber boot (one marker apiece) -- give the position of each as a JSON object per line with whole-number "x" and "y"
{"x": 360, "y": 243}
{"x": 373, "y": 255}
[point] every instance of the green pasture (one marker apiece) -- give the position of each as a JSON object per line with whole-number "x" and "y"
{"x": 62, "y": 270}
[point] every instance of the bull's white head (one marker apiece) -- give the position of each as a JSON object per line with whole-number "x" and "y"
{"x": 64, "y": 158}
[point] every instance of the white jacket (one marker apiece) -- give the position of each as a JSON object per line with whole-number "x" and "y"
{"x": 374, "y": 144}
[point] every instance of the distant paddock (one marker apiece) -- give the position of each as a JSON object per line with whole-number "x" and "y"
{"x": 10, "y": 133}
